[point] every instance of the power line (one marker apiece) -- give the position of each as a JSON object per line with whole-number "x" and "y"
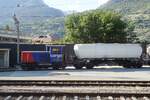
{"x": 17, "y": 22}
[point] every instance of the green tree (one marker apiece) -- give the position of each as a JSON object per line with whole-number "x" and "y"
{"x": 96, "y": 26}
{"x": 131, "y": 35}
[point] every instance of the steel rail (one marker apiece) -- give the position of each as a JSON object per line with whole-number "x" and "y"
{"x": 73, "y": 83}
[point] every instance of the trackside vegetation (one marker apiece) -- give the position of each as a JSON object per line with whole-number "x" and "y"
{"x": 97, "y": 26}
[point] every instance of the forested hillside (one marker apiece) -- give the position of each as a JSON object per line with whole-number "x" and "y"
{"x": 136, "y": 11}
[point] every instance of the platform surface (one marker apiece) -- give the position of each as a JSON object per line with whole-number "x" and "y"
{"x": 112, "y": 73}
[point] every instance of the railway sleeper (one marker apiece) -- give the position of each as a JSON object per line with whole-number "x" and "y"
{"x": 75, "y": 97}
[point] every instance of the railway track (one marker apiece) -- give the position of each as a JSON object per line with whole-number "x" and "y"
{"x": 74, "y": 90}
{"x": 73, "y": 83}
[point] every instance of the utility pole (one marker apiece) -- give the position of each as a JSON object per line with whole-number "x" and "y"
{"x": 18, "y": 37}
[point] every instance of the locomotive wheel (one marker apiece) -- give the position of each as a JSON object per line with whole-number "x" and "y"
{"x": 63, "y": 66}
{"x": 56, "y": 68}
{"x": 24, "y": 68}
{"x": 27, "y": 67}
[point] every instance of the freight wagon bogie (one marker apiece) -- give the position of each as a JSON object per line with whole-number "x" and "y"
{"x": 133, "y": 64}
{"x": 78, "y": 64}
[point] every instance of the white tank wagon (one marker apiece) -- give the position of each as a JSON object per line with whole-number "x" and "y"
{"x": 127, "y": 55}
{"x": 148, "y": 50}
{"x": 108, "y": 50}
{"x": 148, "y": 54}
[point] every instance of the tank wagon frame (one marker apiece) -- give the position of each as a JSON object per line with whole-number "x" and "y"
{"x": 90, "y": 63}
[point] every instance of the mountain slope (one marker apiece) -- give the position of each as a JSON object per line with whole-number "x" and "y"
{"x": 26, "y": 10}
{"x": 127, "y": 6}
{"x": 137, "y": 11}
{"x": 30, "y": 12}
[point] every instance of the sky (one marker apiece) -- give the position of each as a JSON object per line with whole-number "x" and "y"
{"x": 75, "y": 5}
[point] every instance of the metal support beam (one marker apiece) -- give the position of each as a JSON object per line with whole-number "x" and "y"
{"x": 18, "y": 37}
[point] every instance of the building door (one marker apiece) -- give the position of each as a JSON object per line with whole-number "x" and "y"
{"x": 1, "y": 58}
{"x": 4, "y": 58}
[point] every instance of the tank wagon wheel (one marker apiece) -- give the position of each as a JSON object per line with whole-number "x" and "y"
{"x": 133, "y": 65}
{"x": 127, "y": 65}
{"x": 78, "y": 66}
{"x": 130, "y": 65}
{"x": 139, "y": 65}
{"x": 89, "y": 66}
{"x": 148, "y": 62}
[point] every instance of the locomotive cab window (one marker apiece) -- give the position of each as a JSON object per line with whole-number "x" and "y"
{"x": 56, "y": 50}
